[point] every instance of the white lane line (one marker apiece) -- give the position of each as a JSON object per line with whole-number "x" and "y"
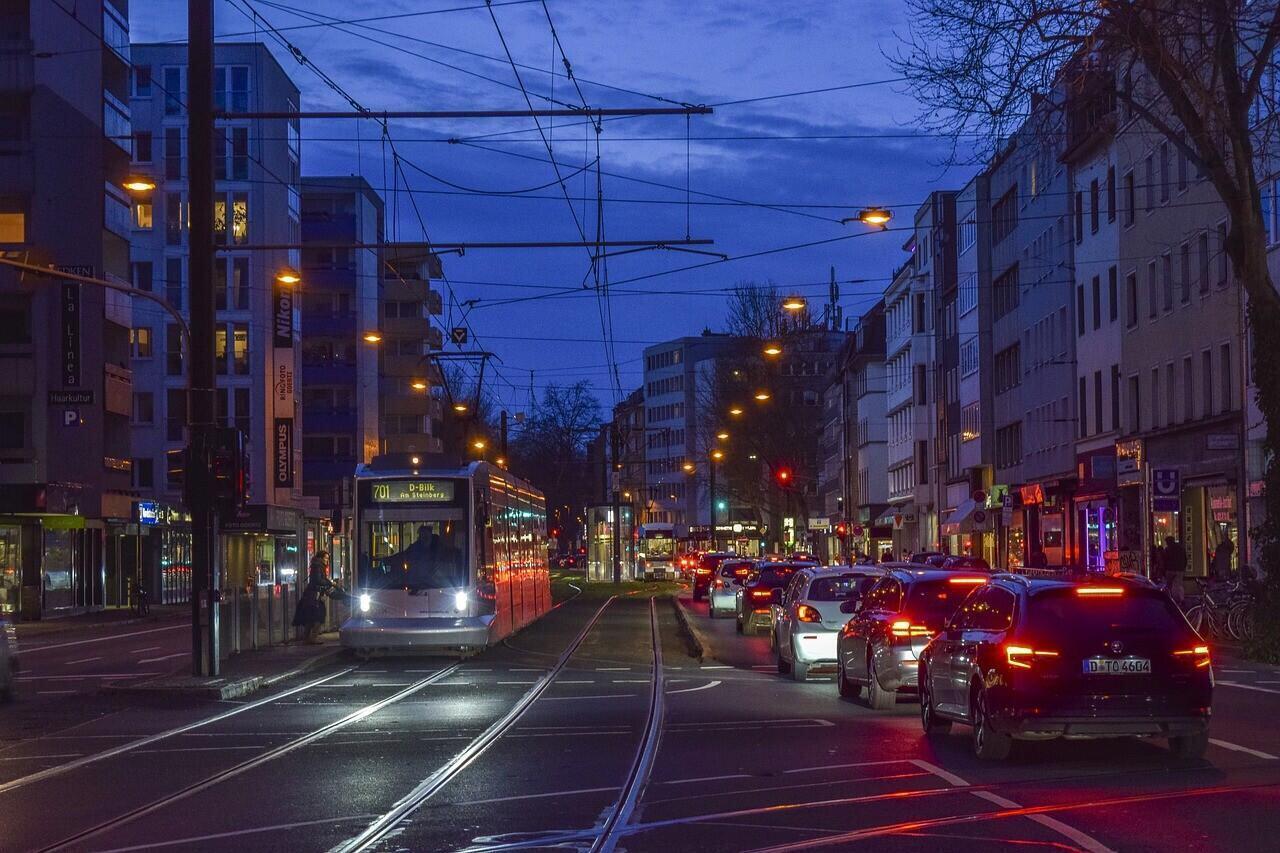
{"x": 196, "y": 839}
{"x": 524, "y": 683}
{"x": 83, "y": 677}
{"x": 1081, "y": 839}
{"x": 1269, "y": 682}
{"x": 706, "y": 779}
{"x": 716, "y": 666}
{"x": 764, "y": 666}
{"x": 630, "y": 681}
{"x": 53, "y": 692}
{"x": 42, "y": 757}
{"x": 1246, "y": 687}
{"x": 566, "y": 681}
{"x": 845, "y": 766}
{"x": 577, "y": 698}
{"x": 165, "y": 657}
{"x": 82, "y": 660}
{"x": 1235, "y": 747}
{"x": 150, "y": 739}
{"x": 1239, "y": 671}
{"x": 613, "y": 669}
{"x": 391, "y": 684}
{"x": 695, "y": 689}
{"x": 527, "y": 669}
{"x": 147, "y": 649}
{"x": 106, "y": 638}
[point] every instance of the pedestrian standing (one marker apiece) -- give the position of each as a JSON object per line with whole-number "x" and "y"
{"x": 311, "y": 610}
{"x": 1175, "y": 567}
{"x": 1220, "y": 567}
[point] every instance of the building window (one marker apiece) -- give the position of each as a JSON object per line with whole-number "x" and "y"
{"x": 231, "y": 157}
{"x": 1188, "y": 390}
{"x": 1080, "y": 309}
{"x": 174, "y": 95}
{"x": 1079, "y": 215}
{"x": 173, "y": 224}
{"x": 173, "y": 153}
{"x": 1111, "y": 193}
{"x": 1151, "y": 183}
{"x": 142, "y": 275}
{"x": 1009, "y": 445}
{"x": 231, "y": 88}
{"x": 1130, "y": 199}
{"x": 243, "y": 421}
{"x": 968, "y": 231}
{"x": 175, "y": 414}
{"x": 1164, "y": 171}
{"x": 967, "y": 299}
{"x": 1206, "y": 379}
{"x": 1008, "y": 370}
{"x": 1131, "y": 299}
{"x": 1170, "y": 395}
{"x": 144, "y": 473}
{"x": 1225, "y": 364}
{"x": 971, "y": 422}
{"x": 142, "y": 81}
{"x": 1097, "y": 303}
{"x": 142, "y": 152}
{"x": 1093, "y": 206}
{"x": 1135, "y": 404}
{"x": 1224, "y": 264}
{"x": 1155, "y": 398}
{"x": 1083, "y": 404}
{"x": 1115, "y": 397}
{"x": 140, "y": 341}
{"x": 144, "y": 407}
{"x": 1113, "y": 298}
{"x": 143, "y": 216}
{"x": 231, "y": 214}
{"x": 173, "y": 350}
{"x": 1097, "y": 401}
{"x": 173, "y": 282}
{"x": 1202, "y": 252}
{"x": 1004, "y": 215}
{"x": 1184, "y": 259}
{"x": 1166, "y": 269}
{"x": 240, "y": 348}
{"x": 969, "y": 353}
{"x": 1005, "y": 293}
{"x": 1153, "y": 290}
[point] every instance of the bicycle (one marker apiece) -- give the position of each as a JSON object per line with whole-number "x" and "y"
{"x": 1224, "y": 612}
{"x": 139, "y": 599}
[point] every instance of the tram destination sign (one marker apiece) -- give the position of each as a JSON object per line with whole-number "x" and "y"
{"x": 411, "y": 491}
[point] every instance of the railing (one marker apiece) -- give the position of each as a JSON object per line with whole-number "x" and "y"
{"x": 262, "y": 616}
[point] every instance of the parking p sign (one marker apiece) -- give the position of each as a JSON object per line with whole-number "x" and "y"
{"x": 1166, "y": 490}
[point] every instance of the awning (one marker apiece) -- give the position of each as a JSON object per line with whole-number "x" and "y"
{"x": 967, "y": 518}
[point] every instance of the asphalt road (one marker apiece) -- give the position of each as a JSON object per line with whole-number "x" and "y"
{"x": 556, "y": 738}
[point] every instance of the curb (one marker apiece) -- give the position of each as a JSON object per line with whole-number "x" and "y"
{"x": 234, "y": 689}
{"x": 698, "y": 644}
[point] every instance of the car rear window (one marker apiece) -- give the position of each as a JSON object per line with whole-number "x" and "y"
{"x": 711, "y": 561}
{"x": 936, "y": 599}
{"x": 735, "y": 569}
{"x": 775, "y": 577}
{"x": 1061, "y": 612}
{"x": 839, "y": 588}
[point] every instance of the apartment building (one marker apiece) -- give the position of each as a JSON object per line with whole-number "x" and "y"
{"x": 65, "y": 379}
{"x": 257, "y": 202}
{"x": 412, "y": 394}
{"x": 339, "y": 308}
{"x": 865, "y": 437}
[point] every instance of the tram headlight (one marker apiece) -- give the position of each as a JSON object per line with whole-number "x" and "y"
{"x": 460, "y": 600}
{"x": 364, "y": 602}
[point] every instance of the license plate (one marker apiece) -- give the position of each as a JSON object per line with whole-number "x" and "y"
{"x": 1117, "y": 666}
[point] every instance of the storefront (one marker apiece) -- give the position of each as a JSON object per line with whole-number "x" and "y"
{"x": 262, "y": 546}
{"x": 966, "y": 528}
{"x": 1096, "y": 511}
{"x": 741, "y": 537}
{"x": 905, "y": 525}
{"x": 166, "y": 551}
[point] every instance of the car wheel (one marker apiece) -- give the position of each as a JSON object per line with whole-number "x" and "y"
{"x": 711, "y": 610}
{"x": 877, "y": 697}
{"x": 783, "y": 666}
{"x": 739, "y": 622}
{"x": 1189, "y": 747}
{"x": 988, "y": 744}
{"x": 928, "y": 717}
{"x": 847, "y": 688}
{"x": 799, "y": 671}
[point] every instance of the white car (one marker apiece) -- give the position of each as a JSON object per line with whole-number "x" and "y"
{"x": 722, "y": 596}
{"x": 8, "y": 659}
{"x": 813, "y": 609}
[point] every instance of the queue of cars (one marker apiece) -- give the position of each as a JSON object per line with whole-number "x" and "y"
{"x": 1010, "y": 656}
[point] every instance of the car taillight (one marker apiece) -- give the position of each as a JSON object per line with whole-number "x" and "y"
{"x": 1099, "y": 590}
{"x": 966, "y": 580}
{"x": 1023, "y": 657}
{"x": 1199, "y": 654}
{"x": 761, "y": 593}
{"x": 903, "y": 628}
{"x": 704, "y": 571}
{"x": 805, "y": 613}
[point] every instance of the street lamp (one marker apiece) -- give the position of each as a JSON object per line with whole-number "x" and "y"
{"x": 735, "y": 411}
{"x": 288, "y": 275}
{"x": 877, "y": 217}
{"x": 372, "y": 337}
{"x": 479, "y": 444}
{"x": 723, "y": 435}
{"x": 139, "y": 184}
{"x": 418, "y": 385}
{"x": 717, "y": 454}
{"x": 772, "y": 350}
{"x": 688, "y": 467}
{"x": 794, "y": 303}
{"x": 762, "y": 395}
{"x": 460, "y": 408}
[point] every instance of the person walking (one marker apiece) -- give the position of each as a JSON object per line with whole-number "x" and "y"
{"x": 311, "y": 610}
{"x": 1175, "y": 567}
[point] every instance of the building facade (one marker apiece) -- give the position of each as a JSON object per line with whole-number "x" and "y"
{"x": 257, "y": 201}
{"x": 66, "y": 386}
{"x": 411, "y": 391}
{"x": 865, "y": 437}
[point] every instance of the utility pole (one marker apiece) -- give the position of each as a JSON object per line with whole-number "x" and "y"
{"x": 616, "y": 484}
{"x": 711, "y": 489}
{"x": 206, "y": 581}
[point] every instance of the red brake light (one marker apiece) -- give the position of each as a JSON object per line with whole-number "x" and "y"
{"x": 904, "y": 628}
{"x": 1099, "y": 590}
{"x": 1199, "y": 653}
{"x": 742, "y": 573}
{"x": 967, "y": 580}
{"x": 762, "y": 593}
{"x": 805, "y": 613}
{"x": 1023, "y": 656}
{"x": 704, "y": 571}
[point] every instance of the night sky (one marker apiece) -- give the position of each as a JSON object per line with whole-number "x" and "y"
{"x": 699, "y": 52}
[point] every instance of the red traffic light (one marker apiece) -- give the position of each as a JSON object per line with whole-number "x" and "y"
{"x": 842, "y": 530}
{"x": 784, "y": 476}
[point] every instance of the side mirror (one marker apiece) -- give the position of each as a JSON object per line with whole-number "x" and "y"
{"x": 775, "y": 595}
{"x": 850, "y": 605}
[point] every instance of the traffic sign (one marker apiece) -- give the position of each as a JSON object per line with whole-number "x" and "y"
{"x": 458, "y": 334}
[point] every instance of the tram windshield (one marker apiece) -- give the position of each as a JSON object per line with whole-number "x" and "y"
{"x": 414, "y": 555}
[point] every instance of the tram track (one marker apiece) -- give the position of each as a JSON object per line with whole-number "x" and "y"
{"x": 250, "y": 763}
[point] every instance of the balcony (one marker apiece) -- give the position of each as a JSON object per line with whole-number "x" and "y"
{"x": 117, "y": 390}
{"x": 116, "y": 123}
{"x": 328, "y": 374}
{"x": 116, "y": 215}
{"x": 115, "y": 32}
{"x": 329, "y": 325}
{"x": 328, "y": 228}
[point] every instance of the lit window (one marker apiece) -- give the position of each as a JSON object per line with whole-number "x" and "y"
{"x": 142, "y": 215}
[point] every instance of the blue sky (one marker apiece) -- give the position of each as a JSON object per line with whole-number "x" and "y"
{"x": 696, "y": 52}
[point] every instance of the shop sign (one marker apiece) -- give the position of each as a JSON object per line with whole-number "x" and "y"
{"x": 282, "y": 397}
{"x": 820, "y": 523}
{"x": 1222, "y": 441}
{"x": 148, "y": 512}
{"x": 71, "y": 398}
{"x": 699, "y": 532}
{"x": 858, "y": 531}
{"x": 747, "y": 527}
{"x": 1166, "y": 489}
{"x": 1032, "y": 494}
{"x": 998, "y": 496}
{"x": 71, "y": 334}
{"x": 1129, "y": 455}
{"x": 1223, "y": 505}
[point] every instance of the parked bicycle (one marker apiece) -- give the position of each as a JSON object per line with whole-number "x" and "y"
{"x": 139, "y": 599}
{"x": 1223, "y": 610}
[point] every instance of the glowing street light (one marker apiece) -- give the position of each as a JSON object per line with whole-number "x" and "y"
{"x": 794, "y": 303}
{"x": 876, "y": 217}
{"x": 288, "y": 275}
{"x": 688, "y": 467}
{"x": 501, "y": 462}
{"x": 723, "y": 435}
{"x": 717, "y": 454}
{"x": 460, "y": 408}
{"x": 772, "y": 349}
{"x": 762, "y": 395}
{"x": 735, "y": 411}
{"x": 418, "y": 385}
{"x": 372, "y": 337}
{"x": 479, "y": 444}
{"x": 139, "y": 184}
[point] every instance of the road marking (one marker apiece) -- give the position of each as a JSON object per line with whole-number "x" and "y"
{"x": 1083, "y": 840}
{"x": 1247, "y": 687}
{"x": 695, "y": 689}
{"x": 576, "y": 698}
{"x": 541, "y": 796}
{"x": 845, "y": 766}
{"x": 1238, "y": 671}
{"x": 566, "y": 681}
{"x": 53, "y": 692}
{"x": 1235, "y": 747}
{"x": 716, "y": 666}
{"x": 527, "y": 669}
{"x": 42, "y": 757}
{"x": 525, "y": 683}
{"x": 165, "y": 657}
{"x": 150, "y": 739}
{"x": 108, "y": 638}
{"x": 147, "y": 649}
{"x": 82, "y": 660}
{"x": 196, "y": 839}
{"x": 1269, "y": 682}
{"x": 391, "y": 684}
{"x": 83, "y": 677}
{"x": 706, "y": 779}
{"x": 613, "y": 669}
{"x": 764, "y": 666}
{"x": 630, "y": 681}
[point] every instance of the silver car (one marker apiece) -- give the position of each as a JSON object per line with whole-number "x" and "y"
{"x": 722, "y": 595}
{"x": 814, "y": 607}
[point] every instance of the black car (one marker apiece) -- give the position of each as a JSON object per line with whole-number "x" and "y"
{"x": 1033, "y": 659}
{"x": 705, "y": 571}
{"x": 755, "y": 597}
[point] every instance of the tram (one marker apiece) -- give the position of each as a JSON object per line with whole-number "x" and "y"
{"x": 448, "y": 559}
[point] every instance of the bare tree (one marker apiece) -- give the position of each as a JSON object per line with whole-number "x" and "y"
{"x": 550, "y": 446}
{"x": 1202, "y": 74}
{"x": 753, "y": 310}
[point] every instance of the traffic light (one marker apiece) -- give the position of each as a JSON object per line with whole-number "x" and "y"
{"x": 229, "y": 469}
{"x": 842, "y": 530}
{"x": 784, "y": 476}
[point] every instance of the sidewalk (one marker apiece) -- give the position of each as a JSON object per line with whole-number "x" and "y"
{"x": 242, "y": 673}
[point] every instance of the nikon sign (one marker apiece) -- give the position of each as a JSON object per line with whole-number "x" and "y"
{"x": 282, "y": 394}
